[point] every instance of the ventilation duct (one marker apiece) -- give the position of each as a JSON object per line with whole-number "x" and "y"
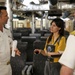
{"x": 55, "y": 12}
{"x": 66, "y": 14}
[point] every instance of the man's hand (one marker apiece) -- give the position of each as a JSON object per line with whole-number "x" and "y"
{"x": 17, "y": 52}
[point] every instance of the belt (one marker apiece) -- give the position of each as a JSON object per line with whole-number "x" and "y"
{"x": 5, "y": 63}
{"x": 8, "y": 63}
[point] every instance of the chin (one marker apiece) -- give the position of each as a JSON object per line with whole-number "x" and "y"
{"x": 51, "y": 31}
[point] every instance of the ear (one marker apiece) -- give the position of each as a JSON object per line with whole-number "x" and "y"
{"x": 0, "y": 17}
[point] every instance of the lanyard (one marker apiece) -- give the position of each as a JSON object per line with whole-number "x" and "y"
{"x": 57, "y": 40}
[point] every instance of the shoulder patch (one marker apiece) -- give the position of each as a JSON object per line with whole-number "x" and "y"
{"x": 73, "y": 33}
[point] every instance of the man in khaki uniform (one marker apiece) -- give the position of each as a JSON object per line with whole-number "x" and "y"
{"x": 5, "y": 42}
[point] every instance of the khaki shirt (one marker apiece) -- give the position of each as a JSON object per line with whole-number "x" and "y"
{"x": 5, "y": 43}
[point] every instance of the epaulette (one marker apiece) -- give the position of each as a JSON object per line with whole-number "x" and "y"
{"x": 73, "y": 33}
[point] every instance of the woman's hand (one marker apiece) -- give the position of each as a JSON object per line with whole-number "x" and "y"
{"x": 37, "y": 51}
{"x": 17, "y": 52}
{"x": 48, "y": 54}
{"x": 52, "y": 53}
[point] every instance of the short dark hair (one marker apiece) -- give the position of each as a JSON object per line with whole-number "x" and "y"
{"x": 2, "y": 8}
